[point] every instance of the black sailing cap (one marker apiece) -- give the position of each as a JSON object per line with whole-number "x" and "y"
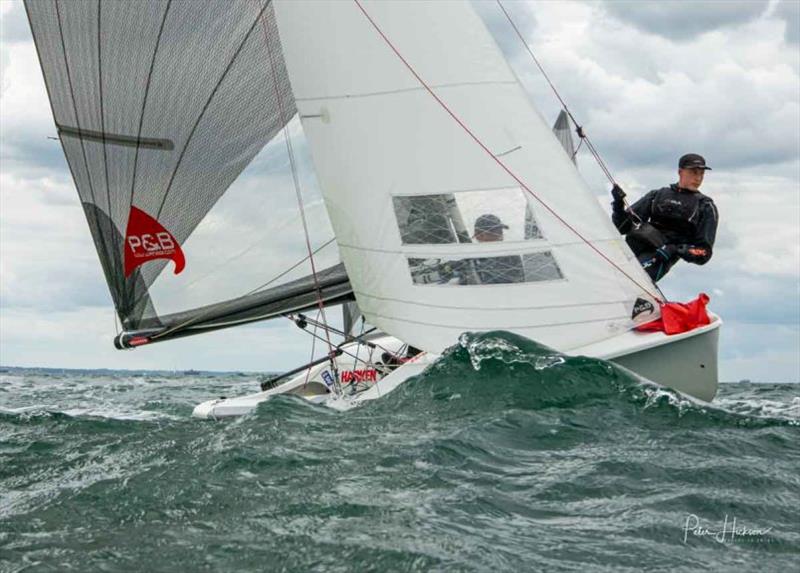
{"x": 692, "y": 161}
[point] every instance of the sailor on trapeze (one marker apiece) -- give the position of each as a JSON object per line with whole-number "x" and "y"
{"x": 671, "y": 223}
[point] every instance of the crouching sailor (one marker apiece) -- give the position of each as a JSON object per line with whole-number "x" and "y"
{"x": 671, "y": 223}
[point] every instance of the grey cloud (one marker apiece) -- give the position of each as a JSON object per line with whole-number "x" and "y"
{"x": 58, "y": 287}
{"x": 732, "y": 117}
{"x": 760, "y": 352}
{"x": 789, "y": 10}
{"x": 33, "y": 156}
{"x": 746, "y": 299}
{"x": 498, "y": 25}
{"x": 14, "y": 25}
{"x": 684, "y": 20}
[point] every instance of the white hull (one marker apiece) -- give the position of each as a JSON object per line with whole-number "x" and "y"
{"x": 686, "y": 362}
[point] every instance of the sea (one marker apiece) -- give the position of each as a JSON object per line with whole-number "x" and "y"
{"x": 503, "y": 456}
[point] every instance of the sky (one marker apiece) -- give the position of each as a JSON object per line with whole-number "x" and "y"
{"x": 649, "y": 81}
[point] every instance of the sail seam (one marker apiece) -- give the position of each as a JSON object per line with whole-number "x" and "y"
{"x": 535, "y": 246}
{"x": 405, "y": 90}
{"x": 109, "y": 272}
{"x": 492, "y": 309}
{"x": 206, "y": 106}
{"x": 498, "y": 327}
{"x": 144, "y": 104}
{"x": 463, "y": 190}
{"x": 115, "y": 241}
{"x": 72, "y": 97}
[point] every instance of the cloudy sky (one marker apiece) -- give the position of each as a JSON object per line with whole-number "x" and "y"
{"x": 648, "y": 80}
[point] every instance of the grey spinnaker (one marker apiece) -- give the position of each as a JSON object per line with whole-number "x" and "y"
{"x": 160, "y": 105}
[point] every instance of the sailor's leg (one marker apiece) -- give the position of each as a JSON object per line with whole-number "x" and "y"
{"x": 655, "y": 265}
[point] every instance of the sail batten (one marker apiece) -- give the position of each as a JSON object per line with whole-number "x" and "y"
{"x": 115, "y": 138}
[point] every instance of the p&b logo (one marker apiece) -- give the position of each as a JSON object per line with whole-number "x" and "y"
{"x": 161, "y": 241}
{"x": 146, "y": 240}
{"x": 640, "y": 306}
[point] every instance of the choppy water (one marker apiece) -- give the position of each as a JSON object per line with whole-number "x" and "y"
{"x": 503, "y": 457}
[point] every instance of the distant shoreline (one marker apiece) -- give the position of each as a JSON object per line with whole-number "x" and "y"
{"x": 192, "y": 372}
{"x": 183, "y": 372}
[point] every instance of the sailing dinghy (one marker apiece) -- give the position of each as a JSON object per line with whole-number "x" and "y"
{"x": 418, "y": 130}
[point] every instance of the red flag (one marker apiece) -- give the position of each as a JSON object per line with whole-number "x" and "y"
{"x": 679, "y": 317}
{"x": 147, "y": 240}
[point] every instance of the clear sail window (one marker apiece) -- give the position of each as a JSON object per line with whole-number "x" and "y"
{"x": 466, "y": 217}
{"x": 508, "y": 269}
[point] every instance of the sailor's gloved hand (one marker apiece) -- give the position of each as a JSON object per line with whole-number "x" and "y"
{"x": 617, "y": 193}
{"x": 690, "y": 252}
{"x": 666, "y": 252}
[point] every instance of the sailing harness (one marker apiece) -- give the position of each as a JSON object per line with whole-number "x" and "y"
{"x": 673, "y": 209}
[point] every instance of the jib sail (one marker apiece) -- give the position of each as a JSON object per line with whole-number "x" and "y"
{"x": 160, "y": 106}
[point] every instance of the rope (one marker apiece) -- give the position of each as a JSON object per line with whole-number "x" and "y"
{"x": 493, "y": 156}
{"x": 578, "y": 128}
{"x": 343, "y": 334}
{"x": 208, "y": 313}
{"x": 318, "y": 337}
{"x": 577, "y": 149}
{"x": 299, "y": 195}
{"x": 313, "y": 349}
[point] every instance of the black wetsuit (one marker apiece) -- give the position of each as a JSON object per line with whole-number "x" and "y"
{"x": 686, "y": 220}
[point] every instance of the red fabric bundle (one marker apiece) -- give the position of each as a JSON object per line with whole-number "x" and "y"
{"x": 679, "y": 317}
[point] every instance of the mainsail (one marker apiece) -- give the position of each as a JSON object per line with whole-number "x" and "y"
{"x": 408, "y": 105}
{"x": 160, "y": 105}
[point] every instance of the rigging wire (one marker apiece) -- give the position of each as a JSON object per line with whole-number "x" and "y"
{"x": 337, "y": 349}
{"x": 483, "y": 146}
{"x": 636, "y": 220}
{"x": 295, "y": 179}
{"x": 343, "y": 334}
{"x": 578, "y": 127}
{"x": 313, "y": 349}
{"x": 206, "y": 314}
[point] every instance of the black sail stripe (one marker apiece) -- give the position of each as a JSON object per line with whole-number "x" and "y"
{"x": 205, "y": 107}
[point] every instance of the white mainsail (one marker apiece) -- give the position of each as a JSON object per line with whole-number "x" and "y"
{"x": 381, "y": 145}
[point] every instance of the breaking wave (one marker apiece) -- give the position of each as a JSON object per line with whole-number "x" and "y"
{"x": 496, "y": 371}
